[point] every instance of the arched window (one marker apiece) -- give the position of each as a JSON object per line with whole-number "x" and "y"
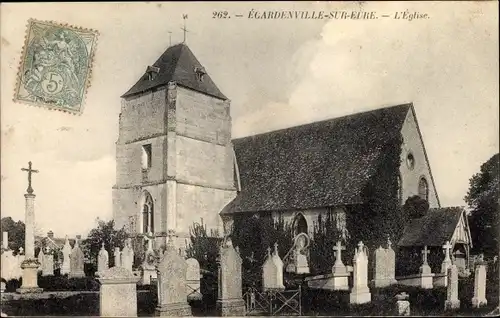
{"x": 147, "y": 213}
{"x": 300, "y": 224}
{"x": 423, "y": 189}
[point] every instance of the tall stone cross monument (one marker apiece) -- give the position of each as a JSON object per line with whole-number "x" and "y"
{"x": 30, "y": 263}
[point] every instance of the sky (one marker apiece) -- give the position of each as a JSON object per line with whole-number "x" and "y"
{"x": 277, "y": 72}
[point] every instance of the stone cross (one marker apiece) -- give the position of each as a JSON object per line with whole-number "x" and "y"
{"x": 389, "y": 243}
{"x": 30, "y": 171}
{"x": 360, "y": 246}
{"x": 447, "y": 247}
{"x": 338, "y": 253}
{"x": 425, "y": 251}
{"x": 268, "y": 252}
{"x": 276, "y": 248}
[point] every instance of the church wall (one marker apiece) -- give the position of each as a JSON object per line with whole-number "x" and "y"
{"x": 410, "y": 177}
{"x": 143, "y": 116}
{"x": 204, "y": 163}
{"x": 202, "y": 117}
{"x": 128, "y": 162}
{"x": 127, "y": 203}
{"x": 196, "y": 202}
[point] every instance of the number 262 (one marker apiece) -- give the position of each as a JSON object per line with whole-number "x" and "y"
{"x": 220, "y": 15}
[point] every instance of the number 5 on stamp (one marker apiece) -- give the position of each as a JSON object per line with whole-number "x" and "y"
{"x": 56, "y": 66}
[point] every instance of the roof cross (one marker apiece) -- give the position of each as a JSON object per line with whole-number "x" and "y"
{"x": 30, "y": 171}
{"x": 184, "y": 17}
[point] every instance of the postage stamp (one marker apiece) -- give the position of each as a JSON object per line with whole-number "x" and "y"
{"x": 56, "y": 66}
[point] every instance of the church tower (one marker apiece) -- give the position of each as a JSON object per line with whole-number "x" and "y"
{"x": 174, "y": 156}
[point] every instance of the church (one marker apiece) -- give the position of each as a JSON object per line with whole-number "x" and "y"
{"x": 176, "y": 163}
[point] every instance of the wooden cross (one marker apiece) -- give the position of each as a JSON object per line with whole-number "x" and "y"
{"x": 424, "y": 254}
{"x": 184, "y": 17}
{"x": 447, "y": 247}
{"x": 30, "y": 171}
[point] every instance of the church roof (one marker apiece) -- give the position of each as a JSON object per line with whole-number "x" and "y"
{"x": 433, "y": 229}
{"x": 178, "y": 64}
{"x": 326, "y": 163}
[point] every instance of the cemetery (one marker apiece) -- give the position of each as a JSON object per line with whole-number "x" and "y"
{"x": 339, "y": 217}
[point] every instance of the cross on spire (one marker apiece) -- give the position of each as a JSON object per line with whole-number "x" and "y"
{"x": 184, "y": 17}
{"x": 30, "y": 171}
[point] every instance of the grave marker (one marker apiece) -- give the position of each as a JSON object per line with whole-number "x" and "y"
{"x": 118, "y": 293}
{"x": 360, "y": 292}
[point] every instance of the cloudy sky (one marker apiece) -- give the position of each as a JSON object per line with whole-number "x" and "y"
{"x": 277, "y": 73}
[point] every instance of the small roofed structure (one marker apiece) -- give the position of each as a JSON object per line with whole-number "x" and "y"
{"x": 438, "y": 226}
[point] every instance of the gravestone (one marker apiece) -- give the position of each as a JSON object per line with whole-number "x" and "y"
{"x": 41, "y": 257}
{"x": 10, "y": 265}
{"x": 452, "y": 302}
{"x": 385, "y": 266}
{"x": 402, "y": 304}
{"x": 118, "y": 293}
{"x": 66, "y": 264}
{"x": 172, "y": 288}
{"x": 148, "y": 265}
{"x": 118, "y": 257}
{"x": 193, "y": 279}
{"x": 5, "y": 240}
{"x": 77, "y": 262}
{"x": 48, "y": 264}
{"x": 360, "y": 292}
{"x": 426, "y": 275}
{"x": 102, "y": 260}
{"x": 299, "y": 263}
{"x": 446, "y": 262}
{"x": 127, "y": 259}
{"x": 272, "y": 271}
{"x": 230, "y": 300}
{"x": 479, "y": 298}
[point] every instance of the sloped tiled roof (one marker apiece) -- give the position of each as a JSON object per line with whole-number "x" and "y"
{"x": 433, "y": 229}
{"x": 177, "y": 64}
{"x": 325, "y": 163}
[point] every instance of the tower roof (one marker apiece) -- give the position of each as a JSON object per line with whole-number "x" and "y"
{"x": 178, "y": 64}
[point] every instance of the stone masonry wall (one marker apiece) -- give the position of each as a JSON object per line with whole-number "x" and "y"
{"x": 411, "y": 177}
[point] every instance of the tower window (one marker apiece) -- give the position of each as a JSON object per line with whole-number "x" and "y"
{"x": 152, "y": 72}
{"x": 410, "y": 161}
{"x": 147, "y": 213}
{"x": 200, "y": 73}
{"x": 423, "y": 189}
{"x": 146, "y": 157}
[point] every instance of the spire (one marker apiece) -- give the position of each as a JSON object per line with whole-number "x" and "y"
{"x": 177, "y": 64}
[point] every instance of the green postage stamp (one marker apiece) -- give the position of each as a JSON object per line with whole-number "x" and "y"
{"x": 55, "y": 66}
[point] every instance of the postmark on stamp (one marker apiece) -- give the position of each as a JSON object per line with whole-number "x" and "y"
{"x": 55, "y": 66}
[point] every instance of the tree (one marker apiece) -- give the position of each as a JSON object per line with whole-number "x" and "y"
{"x": 204, "y": 247}
{"x": 16, "y": 233}
{"x": 105, "y": 232}
{"x": 482, "y": 198}
{"x": 415, "y": 207}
